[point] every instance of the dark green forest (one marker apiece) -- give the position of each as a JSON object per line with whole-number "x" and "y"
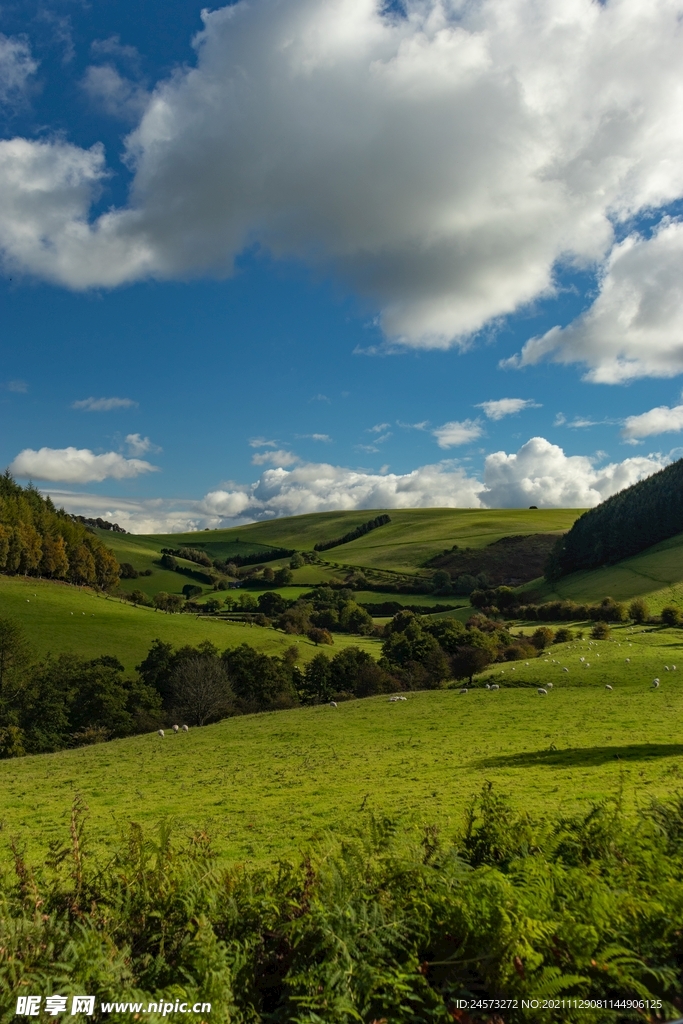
{"x": 623, "y": 525}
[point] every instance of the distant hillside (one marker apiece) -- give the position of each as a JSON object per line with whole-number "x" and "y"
{"x": 510, "y": 561}
{"x": 626, "y": 524}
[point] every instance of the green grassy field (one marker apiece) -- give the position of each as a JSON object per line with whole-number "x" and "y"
{"x": 264, "y": 785}
{"x": 655, "y": 574}
{"x": 58, "y": 617}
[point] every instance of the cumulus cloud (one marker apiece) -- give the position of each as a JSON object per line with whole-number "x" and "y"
{"x": 540, "y": 474}
{"x": 441, "y": 163}
{"x": 103, "y": 404}
{"x": 452, "y": 434}
{"x": 500, "y": 407}
{"x": 76, "y": 465}
{"x": 112, "y": 92}
{"x": 635, "y": 326}
{"x": 662, "y": 420}
{"x": 16, "y": 67}
{"x": 279, "y": 457}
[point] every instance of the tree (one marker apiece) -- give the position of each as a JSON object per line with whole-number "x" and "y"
{"x": 296, "y": 561}
{"x": 271, "y": 603}
{"x": 283, "y": 577}
{"x": 441, "y": 582}
{"x": 638, "y": 610}
{"x": 671, "y": 616}
{"x": 600, "y": 631}
{"x": 191, "y": 590}
{"x": 467, "y": 661}
{"x": 319, "y": 636}
{"x": 200, "y": 690}
{"x": 542, "y": 638}
{"x": 317, "y": 681}
{"x": 15, "y": 656}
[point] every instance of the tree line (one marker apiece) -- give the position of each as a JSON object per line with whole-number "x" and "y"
{"x": 628, "y": 522}
{"x": 67, "y": 700}
{"x": 37, "y": 539}
{"x": 360, "y": 531}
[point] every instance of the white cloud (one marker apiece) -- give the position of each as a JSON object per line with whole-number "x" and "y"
{"x": 261, "y": 442}
{"x": 635, "y": 326}
{"x": 16, "y": 67}
{"x": 661, "y": 420}
{"x": 76, "y": 465}
{"x": 113, "y": 93}
{"x": 20, "y": 387}
{"x": 378, "y": 428}
{"x": 316, "y": 437}
{"x": 454, "y": 433}
{"x": 138, "y": 445}
{"x": 103, "y": 404}
{"x": 276, "y": 458}
{"x": 540, "y": 473}
{"x": 441, "y": 163}
{"x": 500, "y": 407}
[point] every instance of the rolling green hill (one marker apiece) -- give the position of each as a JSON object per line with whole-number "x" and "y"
{"x": 58, "y": 617}
{"x": 655, "y": 574}
{"x": 263, "y": 785}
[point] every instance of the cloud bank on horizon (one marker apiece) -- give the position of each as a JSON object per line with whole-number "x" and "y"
{"x": 443, "y": 164}
{"x": 539, "y": 473}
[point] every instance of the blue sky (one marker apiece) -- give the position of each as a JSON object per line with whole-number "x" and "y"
{"x": 298, "y": 263}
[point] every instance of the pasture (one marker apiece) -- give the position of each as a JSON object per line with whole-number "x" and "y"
{"x": 264, "y": 785}
{"x": 58, "y": 617}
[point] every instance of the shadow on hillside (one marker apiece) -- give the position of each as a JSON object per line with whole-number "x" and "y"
{"x": 574, "y": 757}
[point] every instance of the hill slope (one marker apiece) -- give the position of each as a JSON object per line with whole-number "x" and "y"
{"x": 59, "y": 618}
{"x": 262, "y": 785}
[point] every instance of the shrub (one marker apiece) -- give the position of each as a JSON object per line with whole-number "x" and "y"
{"x": 638, "y": 610}
{"x": 671, "y": 616}
{"x": 319, "y": 636}
{"x": 563, "y": 635}
{"x": 542, "y": 638}
{"x": 600, "y": 631}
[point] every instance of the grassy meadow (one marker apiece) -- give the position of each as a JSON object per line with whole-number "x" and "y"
{"x": 264, "y": 785}
{"x": 58, "y": 617}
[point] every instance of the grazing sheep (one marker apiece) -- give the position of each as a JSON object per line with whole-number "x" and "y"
{"x": 392, "y": 700}
{"x": 673, "y": 668}
{"x": 333, "y": 703}
{"x": 464, "y": 690}
{"x": 607, "y": 686}
{"x": 176, "y": 728}
{"x": 495, "y": 686}
{"x": 548, "y": 686}
{"x": 402, "y": 698}
{"x": 628, "y": 660}
{"x": 666, "y": 667}
{"x": 161, "y": 733}
{"x": 488, "y": 686}
{"x": 582, "y": 659}
{"x": 185, "y": 729}
{"x": 655, "y": 683}
{"x": 565, "y": 670}
{"x": 544, "y": 693}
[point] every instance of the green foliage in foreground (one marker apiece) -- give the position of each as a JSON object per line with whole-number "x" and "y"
{"x": 365, "y": 928}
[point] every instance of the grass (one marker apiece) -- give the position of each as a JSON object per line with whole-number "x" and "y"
{"x": 58, "y": 617}
{"x": 264, "y": 785}
{"x": 655, "y": 574}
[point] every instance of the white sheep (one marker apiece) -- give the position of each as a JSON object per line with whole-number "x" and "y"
{"x": 495, "y": 686}
{"x": 464, "y": 690}
{"x": 565, "y": 670}
{"x": 176, "y": 728}
{"x": 673, "y": 668}
{"x": 333, "y": 703}
{"x": 161, "y": 733}
{"x": 403, "y": 698}
{"x": 666, "y": 667}
{"x": 185, "y": 729}
{"x": 548, "y": 686}
{"x": 542, "y": 692}
{"x": 655, "y": 683}
{"x": 628, "y": 661}
{"x": 488, "y": 686}
{"x": 607, "y": 686}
